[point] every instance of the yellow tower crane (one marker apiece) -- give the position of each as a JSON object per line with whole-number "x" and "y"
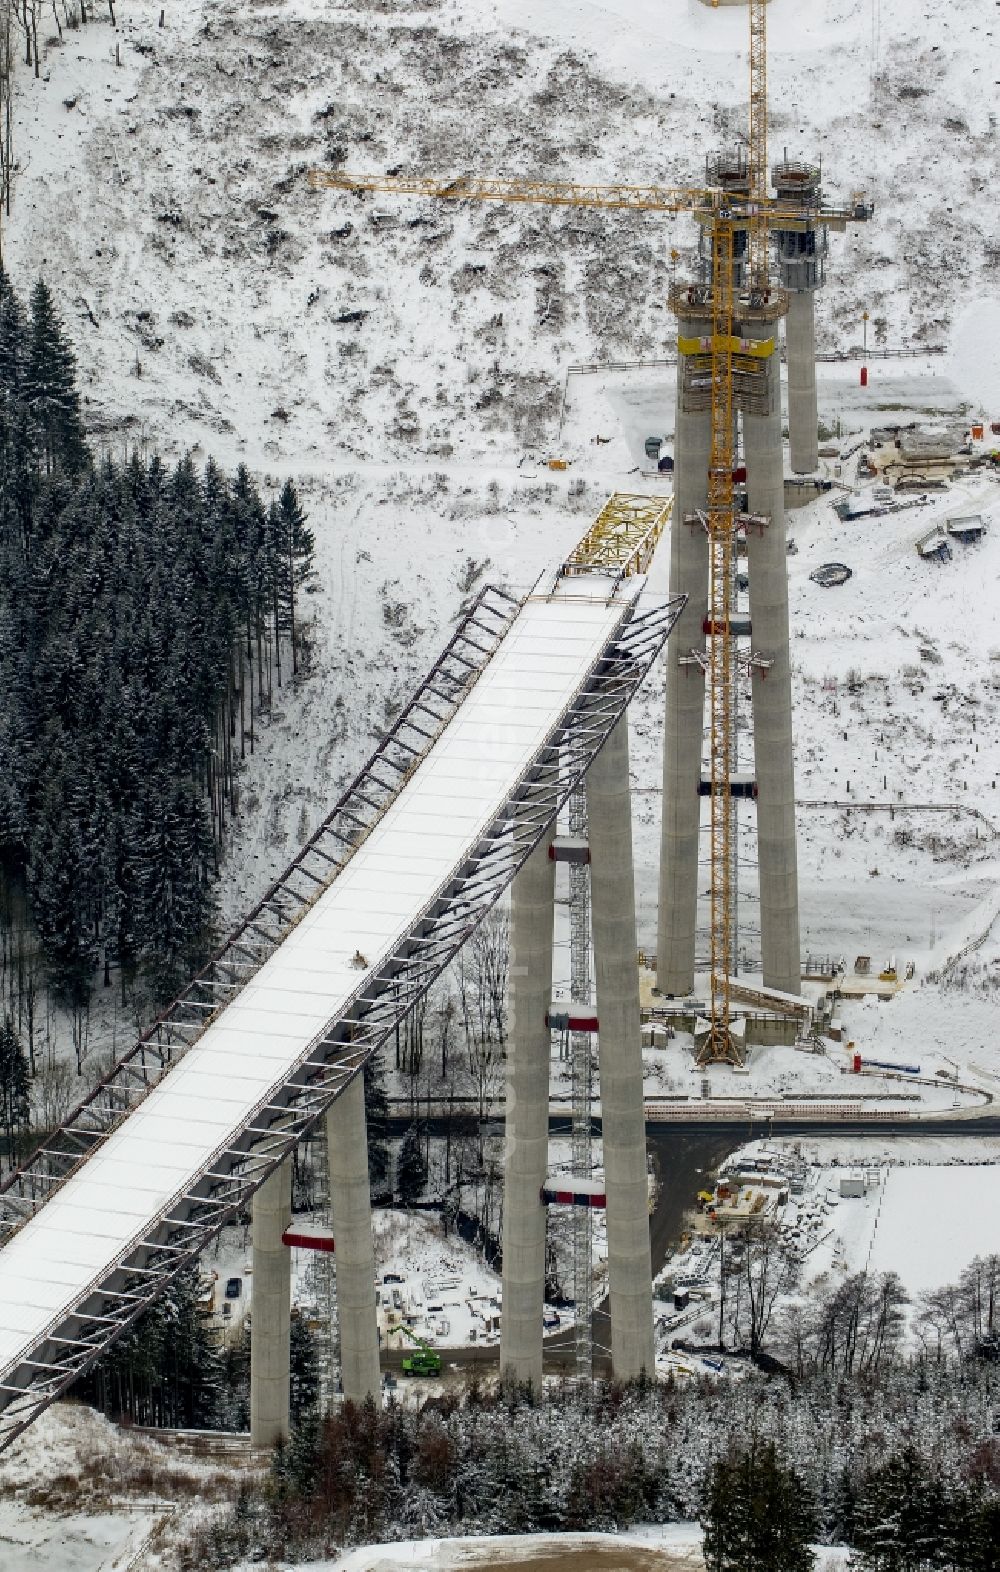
{"x": 723, "y": 213}
{"x": 757, "y": 161}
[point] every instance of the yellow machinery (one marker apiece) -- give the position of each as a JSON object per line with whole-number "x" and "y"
{"x": 622, "y": 538}
{"x": 723, "y": 213}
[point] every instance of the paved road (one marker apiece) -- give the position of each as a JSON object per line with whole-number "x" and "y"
{"x": 746, "y": 1127}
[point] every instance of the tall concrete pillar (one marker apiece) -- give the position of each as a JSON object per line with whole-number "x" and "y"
{"x": 271, "y": 1314}
{"x": 800, "y": 350}
{"x": 771, "y": 682}
{"x": 354, "y": 1253}
{"x": 685, "y": 701}
{"x": 802, "y": 251}
{"x": 612, "y": 894}
{"x": 527, "y": 1136}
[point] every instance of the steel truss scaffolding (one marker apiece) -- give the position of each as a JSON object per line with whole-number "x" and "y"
{"x": 327, "y": 1066}
{"x": 311, "y": 872}
{"x": 622, "y": 539}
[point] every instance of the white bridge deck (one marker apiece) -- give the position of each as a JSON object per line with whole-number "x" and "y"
{"x": 106, "y": 1207}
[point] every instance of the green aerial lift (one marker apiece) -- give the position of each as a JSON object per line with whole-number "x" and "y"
{"x": 426, "y": 1361}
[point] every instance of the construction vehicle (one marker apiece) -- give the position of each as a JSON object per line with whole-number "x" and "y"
{"x": 731, "y": 214}
{"x": 425, "y": 1361}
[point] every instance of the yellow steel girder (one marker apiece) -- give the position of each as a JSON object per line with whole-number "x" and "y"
{"x": 622, "y": 538}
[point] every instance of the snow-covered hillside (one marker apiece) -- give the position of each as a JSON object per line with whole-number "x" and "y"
{"x": 406, "y": 361}
{"x": 168, "y": 197}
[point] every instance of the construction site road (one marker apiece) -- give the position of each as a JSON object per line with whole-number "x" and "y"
{"x": 743, "y": 1119}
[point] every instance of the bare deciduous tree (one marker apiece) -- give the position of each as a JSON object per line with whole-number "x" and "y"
{"x": 6, "y": 103}
{"x": 768, "y": 1268}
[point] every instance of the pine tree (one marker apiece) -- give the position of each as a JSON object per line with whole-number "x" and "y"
{"x": 61, "y": 878}
{"x": 295, "y": 548}
{"x": 903, "y": 1519}
{"x": 50, "y": 387}
{"x": 377, "y": 1123}
{"x": 979, "y": 1544}
{"x": 192, "y": 1372}
{"x": 17, "y": 457}
{"x": 411, "y": 1169}
{"x": 176, "y": 902}
{"x": 13, "y": 344}
{"x": 756, "y": 1514}
{"x": 167, "y": 1369}
{"x": 303, "y": 1394}
{"x": 140, "y": 612}
{"x": 234, "y": 1399}
{"x": 15, "y": 1097}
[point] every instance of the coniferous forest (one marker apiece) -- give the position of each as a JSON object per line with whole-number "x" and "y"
{"x": 902, "y": 1465}
{"x": 147, "y": 615}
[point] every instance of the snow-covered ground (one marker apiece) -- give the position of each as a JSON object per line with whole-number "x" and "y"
{"x": 77, "y": 1494}
{"x": 924, "y": 1212}
{"x": 406, "y": 365}
{"x": 34, "y": 1540}
{"x": 925, "y": 1224}
{"x": 437, "y": 1285}
{"x": 672, "y": 1547}
{"x": 920, "y": 1206}
{"x": 431, "y": 1280}
{"x": 923, "y": 1220}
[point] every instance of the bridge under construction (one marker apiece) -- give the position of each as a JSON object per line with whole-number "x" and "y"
{"x": 274, "y": 1034}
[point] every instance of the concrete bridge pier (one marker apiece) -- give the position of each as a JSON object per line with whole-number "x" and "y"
{"x": 685, "y": 696}
{"x": 354, "y": 1253}
{"x": 612, "y": 894}
{"x": 772, "y": 683}
{"x": 527, "y": 1140}
{"x": 271, "y": 1315}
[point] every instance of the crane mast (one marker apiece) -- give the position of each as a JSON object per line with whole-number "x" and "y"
{"x": 758, "y": 171}
{"x": 721, "y": 672}
{"x": 719, "y": 1044}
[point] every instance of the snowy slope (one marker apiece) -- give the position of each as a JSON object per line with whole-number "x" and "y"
{"x": 405, "y": 361}
{"x": 168, "y": 197}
